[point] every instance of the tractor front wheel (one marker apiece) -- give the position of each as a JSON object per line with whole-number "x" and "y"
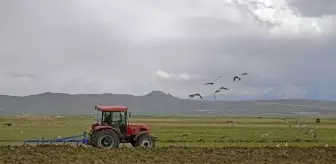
{"x": 145, "y": 141}
{"x": 107, "y": 139}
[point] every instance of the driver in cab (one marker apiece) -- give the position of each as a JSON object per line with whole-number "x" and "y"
{"x": 108, "y": 120}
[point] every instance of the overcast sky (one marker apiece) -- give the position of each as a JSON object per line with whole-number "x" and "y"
{"x": 136, "y": 46}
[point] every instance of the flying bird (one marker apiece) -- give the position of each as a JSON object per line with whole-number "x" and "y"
{"x": 224, "y": 88}
{"x": 244, "y": 74}
{"x": 299, "y": 126}
{"x": 311, "y": 131}
{"x": 236, "y": 77}
{"x": 218, "y": 90}
{"x": 193, "y": 95}
{"x": 212, "y": 83}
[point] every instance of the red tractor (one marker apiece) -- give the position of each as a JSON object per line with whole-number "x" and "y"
{"x": 112, "y": 128}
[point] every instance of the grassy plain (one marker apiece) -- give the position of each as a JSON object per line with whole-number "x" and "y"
{"x": 210, "y": 139}
{"x": 200, "y": 131}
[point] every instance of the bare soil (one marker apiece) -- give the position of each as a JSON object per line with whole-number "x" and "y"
{"x": 185, "y": 155}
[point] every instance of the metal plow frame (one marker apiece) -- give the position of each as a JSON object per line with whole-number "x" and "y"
{"x": 83, "y": 139}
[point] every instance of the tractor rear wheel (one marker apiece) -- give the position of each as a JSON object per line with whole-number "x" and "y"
{"x": 144, "y": 141}
{"x": 106, "y": 139}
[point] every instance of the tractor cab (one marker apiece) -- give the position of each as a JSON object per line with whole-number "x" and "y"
{"x": 112, "y": 116}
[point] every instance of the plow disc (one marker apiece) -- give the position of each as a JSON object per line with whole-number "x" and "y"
{"x": 78, "y": 139}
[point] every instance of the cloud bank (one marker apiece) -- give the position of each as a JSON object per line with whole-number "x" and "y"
{"x": 81, "y": 46}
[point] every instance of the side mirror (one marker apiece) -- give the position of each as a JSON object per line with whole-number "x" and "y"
{"x": 129, "y": 115}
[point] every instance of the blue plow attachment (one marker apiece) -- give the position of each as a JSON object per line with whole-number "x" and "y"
{"x": 78, "y": 139}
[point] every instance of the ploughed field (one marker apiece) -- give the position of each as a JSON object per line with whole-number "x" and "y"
{"x": 169, "y": 155}
{"x": 180, "y": 140}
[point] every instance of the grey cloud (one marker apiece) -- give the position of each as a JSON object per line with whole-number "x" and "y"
{"x": 315, "y": 8}
{"x": 84, "y": 47}
{"x": 20, "y": 75}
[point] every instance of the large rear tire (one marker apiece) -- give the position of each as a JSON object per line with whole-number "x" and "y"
{"x": 106, "y": 139}
{"x": 144, "y": 141}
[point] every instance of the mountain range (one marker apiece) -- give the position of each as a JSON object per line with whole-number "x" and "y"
{"x": 160, "y": 103}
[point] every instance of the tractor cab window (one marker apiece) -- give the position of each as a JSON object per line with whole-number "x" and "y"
{"x": 123, "y": 117}
{"x": 114, "y": 118}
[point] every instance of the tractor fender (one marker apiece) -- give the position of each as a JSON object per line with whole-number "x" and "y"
{"x": 140, "y": 134}
{"x": 99, "y": 128}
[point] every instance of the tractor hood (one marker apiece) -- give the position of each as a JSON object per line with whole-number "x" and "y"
{"x": 133, "y": 125}
{"x": 138, "y": 125}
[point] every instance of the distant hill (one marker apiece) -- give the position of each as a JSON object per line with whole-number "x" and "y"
{"x": 159, "y": 103}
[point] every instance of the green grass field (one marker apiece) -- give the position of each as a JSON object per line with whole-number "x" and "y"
{"x": 201, "y": 131}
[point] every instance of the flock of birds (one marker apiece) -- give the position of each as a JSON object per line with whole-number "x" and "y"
{"x": 219, "y": 89}
{"x": 234, "y": 122}
{"x": 300, "y": 127}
